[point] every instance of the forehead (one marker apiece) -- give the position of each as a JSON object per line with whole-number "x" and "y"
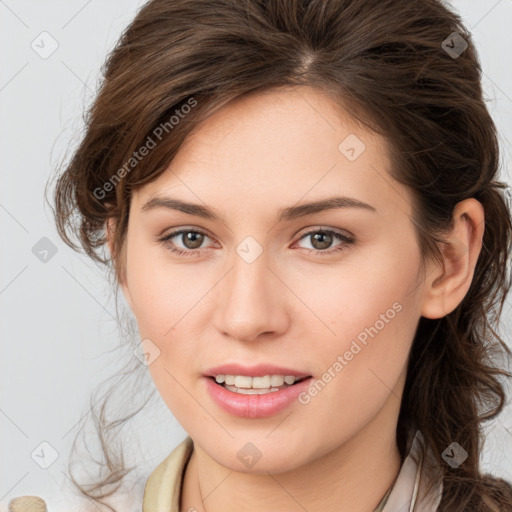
{"x": 279, "y": 148}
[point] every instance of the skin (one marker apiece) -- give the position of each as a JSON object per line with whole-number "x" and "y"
{"x": 254, "y": 156}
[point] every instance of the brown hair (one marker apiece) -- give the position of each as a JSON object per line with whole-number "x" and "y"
{"x": 388, "y": 64}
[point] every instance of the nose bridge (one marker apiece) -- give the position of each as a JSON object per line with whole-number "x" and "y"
{"x": 249, "y": 278}
{"x": 250, "y": 299}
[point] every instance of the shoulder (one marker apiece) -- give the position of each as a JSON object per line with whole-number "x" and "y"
{"x": 32, "y": 503}
{"x": 163, "y": 485}
{"x": 27, "y": 504}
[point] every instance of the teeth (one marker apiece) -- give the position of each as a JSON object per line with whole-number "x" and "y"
{"x": 266, "y": 382}
{"x": 242, "y": 382}
{"x": 251, "y": 391}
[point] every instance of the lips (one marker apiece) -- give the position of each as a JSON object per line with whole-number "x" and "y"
{"x": 259, "y": 370}
{"x": 254, "y": 406}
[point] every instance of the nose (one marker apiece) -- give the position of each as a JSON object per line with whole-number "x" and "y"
{"x": 252, "y": 301}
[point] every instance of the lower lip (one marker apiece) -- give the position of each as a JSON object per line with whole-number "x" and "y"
{"x": 255, "y": 406}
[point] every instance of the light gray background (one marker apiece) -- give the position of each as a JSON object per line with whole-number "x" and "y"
{"x": 58, "y": 328}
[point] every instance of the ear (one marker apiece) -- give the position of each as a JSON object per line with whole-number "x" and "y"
{"x": 446, "y": 287}
{"x": 110, "y": 228}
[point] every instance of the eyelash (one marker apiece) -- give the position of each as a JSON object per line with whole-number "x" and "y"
{"x": 194, "y": 252}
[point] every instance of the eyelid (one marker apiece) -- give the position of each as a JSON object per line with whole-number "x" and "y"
{"x": 319, "y": 227}
{"x": 301, "y": 234}
{"x": 346, "y": 240}
{"x": 179, "y": 231}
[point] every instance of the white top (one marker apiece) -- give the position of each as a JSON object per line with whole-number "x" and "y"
{"x": 409, "y": 491}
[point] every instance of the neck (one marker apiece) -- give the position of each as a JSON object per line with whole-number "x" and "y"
{"x": 354, "y": 477}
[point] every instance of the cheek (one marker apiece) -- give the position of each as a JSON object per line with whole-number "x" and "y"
{"x": 161, "y": 293}
{"x": 374, "y": 285}
{"x": 367, "y": 324}
{"x": 362, "y": 367}
{"x": 166, "y": 300}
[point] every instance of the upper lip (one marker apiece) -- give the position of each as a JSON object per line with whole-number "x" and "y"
{"x": 259, "y": 370}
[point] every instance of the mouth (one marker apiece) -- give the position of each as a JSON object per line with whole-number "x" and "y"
{"x": 258, "y": 396}
{"x": 256, "y": 385}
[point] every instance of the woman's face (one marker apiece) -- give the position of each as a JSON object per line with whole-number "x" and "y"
{"x": 255, "y": 287}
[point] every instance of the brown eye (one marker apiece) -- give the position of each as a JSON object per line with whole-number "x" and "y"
{"x": 322, "y": 239}
{"x": 191, "y": 239}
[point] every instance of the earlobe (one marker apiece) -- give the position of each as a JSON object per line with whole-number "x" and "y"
{"x": 447, "y": 285}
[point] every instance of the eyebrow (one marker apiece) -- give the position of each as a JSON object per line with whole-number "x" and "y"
{"x": 284, "y": 214}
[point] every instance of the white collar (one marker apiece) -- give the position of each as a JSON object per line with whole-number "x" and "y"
{"x": 409, "y": 491}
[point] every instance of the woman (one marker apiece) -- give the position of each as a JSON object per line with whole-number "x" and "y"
{"x": 300, "y": 203}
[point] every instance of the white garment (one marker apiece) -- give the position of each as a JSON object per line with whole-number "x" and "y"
{"x": 409, "y": 491}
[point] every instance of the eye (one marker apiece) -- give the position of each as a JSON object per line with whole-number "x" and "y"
{"x": 192, "y": 241}
{"x": 323, "y": 238}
